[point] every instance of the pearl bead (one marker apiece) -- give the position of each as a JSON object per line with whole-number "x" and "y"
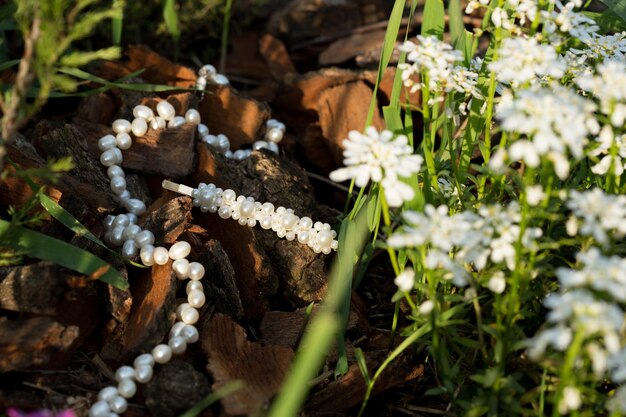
{"x": 290, "y": 221}
{"x": 123, "y": 141}
{"x": 158, "y": 123}
{"x": 124, "y": 372}
{"x": 201, "y": 83}
{"x": 220, "y": 79}
{"x": 124, "y": 196}
{"x": 180, "y": 250}
{"x": 118, "y": 184}
{"x": 162, "y": 353}
{"x": 211, "y": 140}
{"x": 118, "y": 404}
{"x": 177, "y": 121}
{"x": 179, "y": 310}
{"x": 132, "y": 218}
{"x": 196, "y": 298}
{"x": 176, "y": 329}
{"x": 100, "y": 409}
{"x": 273, "y": 123}
{"x": 121, "y": 126}
{"x": 144, "y": 372}
{"x": 290, "y": 236}
{"x": 190, "y": 316}
{"x": 325, "y": 238}
{"x": 106, "y": 142}
{"x": 135, "y": 206}
{"x": 193, "y": 116}
{"x": 108, "y": 221}
{"x": 178, "y": 345}
{"x": 144, "y": 112}
{"x": 196, "y": 271}
{"x": 131, "y": 231}
{"x": 303, "y": 237}
{"x": 121, "y": 220}
{"x": 166, "y": 110}
{"x": 160, "y": 255}
{"x": 107, "y": 393}
{"x": 224, "y": 212}
{"x": 273, "y": 147}
{"x": 144, "y": 359}
{"x": 139, "y": 127}
{"x": 259, "y": 144}
{"x": 223, "y": 144}
{"x": 266, "y": 222}
{"x": 144, "y": 238}
{"x": 194, "y": 286}
{"x": 274, "y": 135}
{"x": 239, "y": 154}
{"x": 190, "y": 333}
{"x": 129, "y": 249}
{"x": 203, "y": 130}
{"x": 305, "y": 223}
{"x": 115, "y": 171}
{"x": 207, "y": 71}
{"x": 267, "y": 208}
{"x": 127, "y": 388}
{"x": 181, "y": 267}
{"x": 117, "y": 235}
{"x": 118, "y": 155}
{"x": 247, "y": 208}
{"x": 229, "y": 195}
{"x": 109, "y": 157}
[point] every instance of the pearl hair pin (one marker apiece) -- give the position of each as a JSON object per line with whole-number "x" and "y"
{"x": 123, "y": 230}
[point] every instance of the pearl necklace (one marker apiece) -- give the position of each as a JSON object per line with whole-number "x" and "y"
{"x": 123, "y": 230}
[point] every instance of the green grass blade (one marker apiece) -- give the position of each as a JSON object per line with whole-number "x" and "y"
{"x": 617, "y": 6}
{"x": 455, "y": 23}
{"x": 117, "y": 23}
{"x": 391, "y": 35}
{"x": 434, "y": 19}
{"x": 213, "y": 397}
{"x": 40, "y": 246}
{"x": 9, "y": 64}
{"x": 170, "y": 15}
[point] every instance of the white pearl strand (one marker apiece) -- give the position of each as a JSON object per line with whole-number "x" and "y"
{"x": 122, "y": 230}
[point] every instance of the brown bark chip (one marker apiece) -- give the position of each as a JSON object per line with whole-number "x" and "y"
{"x": 232, "y": 357}
{"x": 35, "y": 288}
{"x": 276, "y": 57}
{"x": 33, "y": 342}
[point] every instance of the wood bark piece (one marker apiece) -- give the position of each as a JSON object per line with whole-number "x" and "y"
{"x": 168, "y": 152}
{"x": 175, "y": 388}
{"x": 276, "y": 57}
{"x": 232, "y": 357}
{"x": 36, "y": 288}
{"x": 350, "y": 47}
{"x": 158, "y": 69}
{"x": 83, "y": 180}
{"x": 348, "y": 391}
{"x": 344, "y": 108}
{"x": 244, "y": 60}
{"x": 168, "y": 218}
{"x": 227, "y": 112}
{"x": 32, "y": 342}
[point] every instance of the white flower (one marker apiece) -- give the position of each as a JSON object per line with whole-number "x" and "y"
{"x": 522, "y": 60}
{"x": 617, "y": 403}
{"x": 405, "y": 280}
{"x": 564, "y": 19}
{"x": 570, "y": 400}
{"x": 534, "y": 195}
{"x": 609, "y": 86}
{"x": 606, "y": 140}
{"x": 497, "y": 283}
{"x": 554, "y": 119}
{"x": 600, "y": 47}
{"x": 559, "y": 337}
{"x": 617, "y": 366}
{"x": 379, "y": 157}
{"x": 429, "y": 57}
{"x": 598, "y": 214}
{"x": 500, "y": 18}
{"x": 523, "y": 10}
{"x": 426, "y": 307}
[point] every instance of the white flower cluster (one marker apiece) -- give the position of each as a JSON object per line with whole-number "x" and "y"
{"x": 597, "y": 214}
{"x": 609, "y": 86}
{"x": 318, "y": 236}
{"x": 435, "y": 60}
{"x": 563, "y": 19}
{"x": 380, "y": 157}
{"x": 521, "y": 60}
{"x": 466, "y": 238}
{"x": 589, "y": 304}
{"x": 554, "y": 119}
{"x": 603, "y": 47}
{"x": 609, "y": 162}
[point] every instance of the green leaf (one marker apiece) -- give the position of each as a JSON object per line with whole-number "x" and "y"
{"x": 80, "y": 58}
{"x": 117, "y": 23}
{"x": 389, "y": 43}
{"x": 170, "y": 15}
{"x": 455, "y": 23}
{"x": 40, "y": 246}
{"x": 9, "y": 64}
{"x": 608, "y": 21}
{"x": 434, "y": 19}
{"x": 360, "y": 360}
{"x": 617, "y": 6}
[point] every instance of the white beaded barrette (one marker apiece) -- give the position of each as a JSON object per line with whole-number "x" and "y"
{"x": 122, "y": 230}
